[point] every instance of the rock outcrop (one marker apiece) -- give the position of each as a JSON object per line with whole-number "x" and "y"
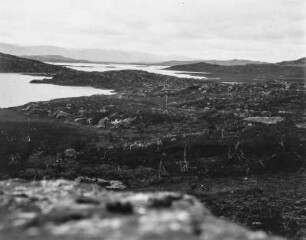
{"x": 61, "y": 209}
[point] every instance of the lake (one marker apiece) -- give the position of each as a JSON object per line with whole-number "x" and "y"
{"x": 102, "y": 67}
{"x": 16, "y": 89}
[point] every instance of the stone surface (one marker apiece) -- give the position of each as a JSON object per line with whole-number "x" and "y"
{"x": 265, "y": 120}
{"x": 61, "y": 209}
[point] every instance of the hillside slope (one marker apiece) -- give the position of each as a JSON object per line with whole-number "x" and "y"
{"x": 14, "y": 64}
{"x": 298, "y": 62}
{"x": 248, "y": 72}
{"x": 135, "y": 81}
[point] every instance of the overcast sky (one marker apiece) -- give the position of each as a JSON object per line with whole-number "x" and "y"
{"x": 268, "y": 30}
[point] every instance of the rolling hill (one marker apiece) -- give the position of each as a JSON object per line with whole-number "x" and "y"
{"x": 14, "y": 64}
{"x": 298, "y": 62}
{"x": 245, "y": 73}
{"x": 231, "y": 62}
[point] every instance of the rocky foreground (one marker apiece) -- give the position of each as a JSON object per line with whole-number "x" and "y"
{"x": 62, "y": 209}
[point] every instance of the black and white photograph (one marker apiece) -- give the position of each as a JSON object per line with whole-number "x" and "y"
{"x": 152, "y": 119}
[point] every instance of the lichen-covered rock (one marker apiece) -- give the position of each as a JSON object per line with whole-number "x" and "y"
{"x": 62, "y": 114}
{"x": 265, "y": 120}
{"x": 70, "y": 153}
{"x": 62, "y": 209}
{"x": 108, "y": 184}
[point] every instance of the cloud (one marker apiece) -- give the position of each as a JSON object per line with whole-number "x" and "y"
{"x": 258, "y": 29}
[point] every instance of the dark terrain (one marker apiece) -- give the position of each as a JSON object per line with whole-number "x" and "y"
{"x": 298, "y": 62}
{"x": 293, "y": 71}
{"x": 13, "y": 64}
{"x": 238, "y": 147}
{"x": 230, "y": 62}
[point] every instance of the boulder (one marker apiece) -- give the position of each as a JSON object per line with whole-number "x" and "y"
{"x": 301, "y": 125}
{"x": 27, "y": 108}
{"x": 265, "y": 120}
{"x": 108, "y": 184}
{"x": 37, "y": 111}
{"x": 70, "y": 153}
{"x": 81, "y": 120}
{"x": 62, "y": 114}
{"x": 61, "y": 209}
{"x": 103, "y": 122}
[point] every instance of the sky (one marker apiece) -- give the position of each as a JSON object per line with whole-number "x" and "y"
{"x": 268, "y": 30}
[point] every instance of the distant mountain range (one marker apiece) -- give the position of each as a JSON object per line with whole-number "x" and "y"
{"x": 62, "y": 59}
{"x": 55, "y": 59}
{"x": 70, "y": 55}
{"x": 95, "y": 55}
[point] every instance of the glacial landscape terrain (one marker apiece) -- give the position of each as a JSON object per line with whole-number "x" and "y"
{"x": 229, "y": 133}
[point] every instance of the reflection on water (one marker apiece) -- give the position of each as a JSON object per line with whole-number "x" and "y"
{"x": 16, "y": 89}
{"x": 102, "y": 67}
